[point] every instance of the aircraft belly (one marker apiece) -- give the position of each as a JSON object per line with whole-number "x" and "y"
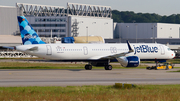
{"x": 148, "y": 55}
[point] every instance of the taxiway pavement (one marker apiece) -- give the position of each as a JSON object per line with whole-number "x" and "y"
{"x": 78, "y": 77}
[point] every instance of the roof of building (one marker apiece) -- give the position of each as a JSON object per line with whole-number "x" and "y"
{"x": 7, "y": 6}
{"x": 10, "y": 39}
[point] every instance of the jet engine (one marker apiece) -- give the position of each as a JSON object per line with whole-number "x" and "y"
{"x": 129, "y": 61}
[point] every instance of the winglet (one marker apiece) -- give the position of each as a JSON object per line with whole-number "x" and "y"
{"x": 129, "y": 47}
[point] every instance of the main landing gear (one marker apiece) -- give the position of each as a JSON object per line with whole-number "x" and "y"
{"x": 106, "y": 67}
{"x": 88, "y": 67}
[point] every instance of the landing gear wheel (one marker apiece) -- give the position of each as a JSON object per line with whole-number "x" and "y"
{"x": 108, "y": 67}
{"x": 88, "y": 67}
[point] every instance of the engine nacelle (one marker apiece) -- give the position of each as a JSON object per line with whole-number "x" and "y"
{"x": 129, "y": 61}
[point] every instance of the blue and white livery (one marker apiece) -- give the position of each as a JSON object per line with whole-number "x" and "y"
{"x": 28, "y": 35}
{"x": 128, "y": 55}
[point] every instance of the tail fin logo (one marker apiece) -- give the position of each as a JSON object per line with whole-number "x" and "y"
{"x": 28, "y": 35}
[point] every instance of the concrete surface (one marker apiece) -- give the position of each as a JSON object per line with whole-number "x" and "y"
{"x": 86, "y": 77}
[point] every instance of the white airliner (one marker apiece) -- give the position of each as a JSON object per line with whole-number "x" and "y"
{"x": 128, "y": 55}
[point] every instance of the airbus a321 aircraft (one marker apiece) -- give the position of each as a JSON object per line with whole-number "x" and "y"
{"x": 128, "y": 55}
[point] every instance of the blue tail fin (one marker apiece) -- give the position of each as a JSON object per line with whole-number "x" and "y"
{"x": 28, "y": 35}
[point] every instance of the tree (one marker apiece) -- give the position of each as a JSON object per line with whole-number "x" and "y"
{"x": 130, "y": 16}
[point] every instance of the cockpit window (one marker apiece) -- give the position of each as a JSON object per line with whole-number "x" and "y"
{"x": 169, "y": 49}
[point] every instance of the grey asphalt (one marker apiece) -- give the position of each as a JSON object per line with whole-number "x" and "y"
{"x": 79, "y": 77}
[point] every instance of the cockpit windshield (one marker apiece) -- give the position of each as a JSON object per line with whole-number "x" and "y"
{"x": 169, "y": 49}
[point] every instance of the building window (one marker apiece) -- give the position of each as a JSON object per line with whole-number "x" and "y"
{"x": 48, "y": 25}
{"x": 50, "y": 20}
{"x": 49, "y": 30}
{"x": 62, "y": 35}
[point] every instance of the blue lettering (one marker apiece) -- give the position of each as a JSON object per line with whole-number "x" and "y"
{"x": 134, "y": 50}
{"x": 156, "y": 49}
{"x": 138, "y": 49}
{"x": 141, "y": 48}
{"x": 152, "y": 49}
{"x": 145, "y": 49}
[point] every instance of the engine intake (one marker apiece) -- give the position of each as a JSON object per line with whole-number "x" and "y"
{"x": 130, "y": 61}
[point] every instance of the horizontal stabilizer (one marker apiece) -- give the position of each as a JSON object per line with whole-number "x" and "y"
{"x": 33, "y": 49}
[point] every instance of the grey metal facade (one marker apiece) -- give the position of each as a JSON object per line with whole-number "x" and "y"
{"x": 56, "y": 21}
{"x": 8, "y": 21}
{"x": 146, "y": 30}
{"x": 45, "y": 26}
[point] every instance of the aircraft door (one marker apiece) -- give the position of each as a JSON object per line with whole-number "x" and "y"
{"x": 113, "y": 50}
{"x": 49, "y": 50}
{"x": 85, "y": 50}
{"x": 162, "y": 50}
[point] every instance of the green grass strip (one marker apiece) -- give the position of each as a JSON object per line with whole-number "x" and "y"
{"x": 91, "y": 93}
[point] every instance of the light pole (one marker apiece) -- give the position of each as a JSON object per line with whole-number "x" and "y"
{"x": 136, "y": 33}
{"x": 127, "y": 32}
{"x": 58, "y": 32}
{"x": 152, "y": 32}
{"x": 119, "y": 34}
{"x": 51, "y": 33}
{"x": 156, "y": 34}
{"x": 87, "y": 33}
{"x": 153, "y": 39}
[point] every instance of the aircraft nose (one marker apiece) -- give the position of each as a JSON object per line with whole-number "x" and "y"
{"x": 172, "y": 54}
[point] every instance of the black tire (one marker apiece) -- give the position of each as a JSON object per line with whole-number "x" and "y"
{"x": 88, "y": 67}
{"x": 108, "y": 67}
{"x": 148, "y": 68}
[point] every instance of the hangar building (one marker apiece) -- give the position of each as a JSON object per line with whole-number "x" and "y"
{"x": 75, "y": 20}
{"x": 55, "y": 21}
{"x": 82, "y": 20}
{"x": 146, "y": 30}
{"x": 163, "y": 33}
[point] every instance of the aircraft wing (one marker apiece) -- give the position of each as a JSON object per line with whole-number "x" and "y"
{"x": 115, "y": 55}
